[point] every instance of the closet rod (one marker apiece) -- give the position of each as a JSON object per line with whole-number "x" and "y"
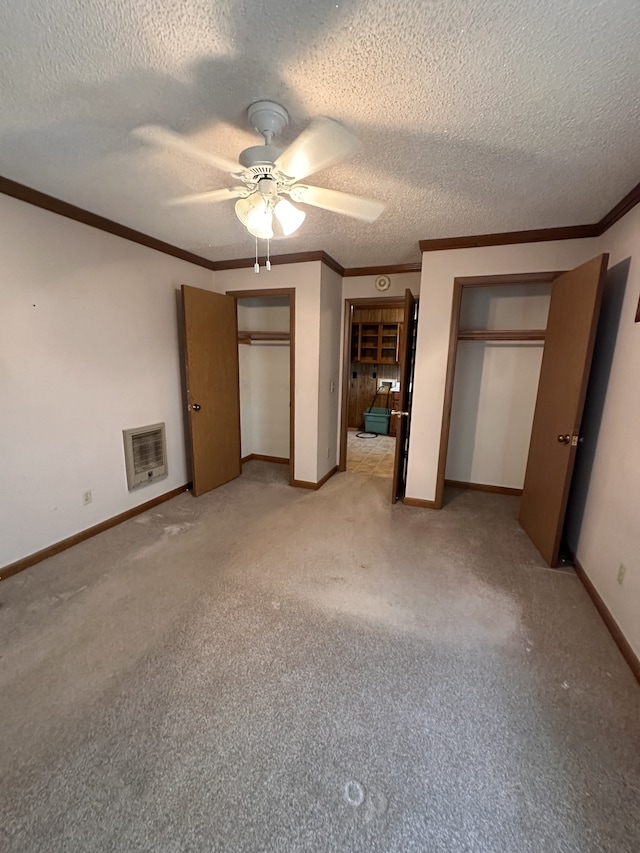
{"x": 264, "y": 343}
{"x": 501, "y": 335}
{"x": 252, "y": 337}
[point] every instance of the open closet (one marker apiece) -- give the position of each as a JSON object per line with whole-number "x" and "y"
{"x": 500, "y": 343}
{"x": 519, "y": 359}
{"x": 265, "y": 376}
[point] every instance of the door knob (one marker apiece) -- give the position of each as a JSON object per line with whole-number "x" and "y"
{"x": 196, "y": 407}
{"x": 400, "y": 414}
{"x": 564, "y": 439}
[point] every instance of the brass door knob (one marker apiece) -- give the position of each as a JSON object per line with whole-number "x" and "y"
{"x": 564, "y": 439}
{"x": 195, "y": 407}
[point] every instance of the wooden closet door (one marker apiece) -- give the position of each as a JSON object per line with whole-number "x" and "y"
{"x": 213, "y": 395}
{"x": 568, "y": 348}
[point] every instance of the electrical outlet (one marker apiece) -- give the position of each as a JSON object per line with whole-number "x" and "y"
{"x": 621, "y": 573}
{"x": 86, "y": 497}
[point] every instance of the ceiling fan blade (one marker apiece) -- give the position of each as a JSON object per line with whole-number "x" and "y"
{"x": 209, "y": 197}
{"x": 350, "y": 205}
{"x": 161, "y": 137}
{"x": 319, "y": 145}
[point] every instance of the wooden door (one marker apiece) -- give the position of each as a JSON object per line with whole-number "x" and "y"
{"x": 213, "y": 396}
{"x": 407, "y": 358}
{"x": 568, "y": 348}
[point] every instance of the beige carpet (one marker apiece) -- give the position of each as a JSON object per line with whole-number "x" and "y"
{"x": 272, "y": 670}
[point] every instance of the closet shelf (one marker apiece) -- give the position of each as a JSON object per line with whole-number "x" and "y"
{"x": 501, "y": 335}
{"x": 258, "y": 337}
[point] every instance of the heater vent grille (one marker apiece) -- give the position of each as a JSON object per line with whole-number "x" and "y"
{"x": 145, "y": 453}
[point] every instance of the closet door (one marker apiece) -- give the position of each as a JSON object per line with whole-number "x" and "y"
{"x": 213, "y": 397}
{"x": 568, "y": 347}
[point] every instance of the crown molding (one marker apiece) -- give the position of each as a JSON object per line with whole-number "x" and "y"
{"x": 622, "y": 207}
{"x": 568, "y": 232}
{"x": 505, "y": 238}
{"x": 292, "y": 258}
{"x": 79, "y": 214}
{"x": 391, "y": 269}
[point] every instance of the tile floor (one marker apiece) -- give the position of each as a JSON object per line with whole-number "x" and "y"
{"x": 373, "y": 456}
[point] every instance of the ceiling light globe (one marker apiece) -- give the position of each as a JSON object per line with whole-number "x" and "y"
{"x": 289, "y": 217}
{"x": 255, "y": 214}
{"x": 243, "y": 208}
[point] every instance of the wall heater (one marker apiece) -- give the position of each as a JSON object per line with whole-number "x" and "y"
{"x": 145, "y": 454}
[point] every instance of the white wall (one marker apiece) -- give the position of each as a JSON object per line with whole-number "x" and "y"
{"x": 496, "y": 384}
{"x": 436, "y": 293}
{"x": 329, "y": 370}
{"x": 264, "y": 382}
{"x": 89, "y": 347}
{"x": 607, "y": 526}
{"x": 363, "y": 286}
{"x": 264, "y": 399}
{"x": 518, "y": 306}
{"x": 494, "y": 398}
{"x": 305, "y": 278}
{"x": 270, "y": 315}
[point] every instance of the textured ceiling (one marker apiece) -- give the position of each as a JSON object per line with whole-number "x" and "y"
{"x": 474, "y": 115}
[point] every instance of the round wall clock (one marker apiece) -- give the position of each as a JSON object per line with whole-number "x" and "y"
{"x": 383, "y": 282}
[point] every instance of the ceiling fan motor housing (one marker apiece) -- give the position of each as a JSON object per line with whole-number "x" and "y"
{"x": 259, "y": 155}
{"x": 268, "y": 119}
{"x": 267, "y": 186}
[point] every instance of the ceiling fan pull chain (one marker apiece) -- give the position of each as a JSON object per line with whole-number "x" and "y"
{"x": 268, "y": 264}
{"x": 256, "y": 266}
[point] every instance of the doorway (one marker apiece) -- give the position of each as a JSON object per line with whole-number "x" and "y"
{"x": 266, "y": 358}
{"x": 371, "y": 382}
{"x": 378, "y": 358}
{"x": 210, "y": 344}
{"x": 500, "y": 343}
{"x": 548, "y": 429}
{"x": 498, "y": 328}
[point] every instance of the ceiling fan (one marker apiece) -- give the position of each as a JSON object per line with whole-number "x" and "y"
{"x": 265, "y": 174}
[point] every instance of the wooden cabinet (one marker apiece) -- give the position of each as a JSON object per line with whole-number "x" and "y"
{"x": 375, "y": 343}
{"x": 368, "y": 335}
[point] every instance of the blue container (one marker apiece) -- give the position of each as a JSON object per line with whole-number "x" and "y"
{"x": 377, "y": 420}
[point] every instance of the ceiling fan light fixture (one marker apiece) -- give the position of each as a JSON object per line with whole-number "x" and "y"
{"x": 289, "y": 217}
{"x": 255, "y": 214}
{"x": 263, "y": 228}
{"x": 265, "y": 172}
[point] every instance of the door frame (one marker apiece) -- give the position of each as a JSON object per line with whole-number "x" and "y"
{"x": 291, "y": 293}
{"x": 459, "y": 284}
{"x": 349, "y": 304}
